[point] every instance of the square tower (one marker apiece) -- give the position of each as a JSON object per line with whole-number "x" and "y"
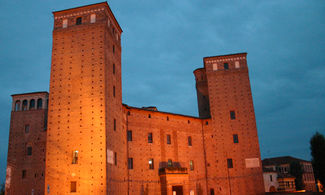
{"x": 85, "y": 103}
{"x": 27, "y": 142}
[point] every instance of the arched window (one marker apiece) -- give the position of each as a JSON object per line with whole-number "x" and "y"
{"x": 32, "y": 104}
{"x": 24, "y": 105}
{"x": 39, "y": 103}
{"x": 17, "y": 105}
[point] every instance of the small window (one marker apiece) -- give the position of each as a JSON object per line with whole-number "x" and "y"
{"x": 24, "y": 105}
{"x": 211, "y": 191}
{"x": 113, "y": 68}
{"x": 32, "y": 104}
{"x": 191, "y": 165}
{"x": 114, "y": 125}
{"x": 232, "y": 115}
{"x": 167, "y": 118}
{"x": 129, "y": 113}
{"x": 150, "y": 139}
{"x": 271, "y": 179}
{"x": 226, "y": 66}
{"x": 113, "y": 48}
{"x": 130, "y": 163}
{"x": 114, "y": 91}
{"x": 115, "y": 158}
{"x": 17, "y": 105}
{"x": 65, "y": 23}
{"x": 75, "y": 157}
{"x": 39, "y": 103}
{"x": 149, "y": 116}
{"x": 169, "y": 141}
{"x": 229, "y": 163}
{"x": 29, "y": 151}
{"x": 92, "y": 18}
{"x": 170, "y": 163}
{"x": 235, "y": 137}
{"x": 23, "y": 174}
{"x": 129, "y": 135}
{"x": 151, "y": 164}
{"x": 26, "y": 128}
{"x": 78, "y": 21}
{"x": 237, "y": 65}
{"x": 189, "y": 140}
{"x": 73, "y": 186}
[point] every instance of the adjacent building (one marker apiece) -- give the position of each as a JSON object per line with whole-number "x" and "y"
{"x": 79, "y": 138}
{"x": 283, "y": 168}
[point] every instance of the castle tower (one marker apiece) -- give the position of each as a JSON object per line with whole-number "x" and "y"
{"x": 235, "y": 150}
{"x": 27, "y": 141}
{"x": 202, "y": 93}
{"x": 83, "y": 153}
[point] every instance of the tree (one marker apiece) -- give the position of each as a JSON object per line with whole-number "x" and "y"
{"x": 317, "y": 147}
{"x": 297, "y": 171}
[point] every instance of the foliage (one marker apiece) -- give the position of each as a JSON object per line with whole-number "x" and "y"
{"x": 2, "y": 189}
{"x": 317, "y": 147}
{"x": 297, "y": 171}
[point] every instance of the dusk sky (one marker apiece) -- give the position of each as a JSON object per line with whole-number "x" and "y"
{"x": 164, "y": 41}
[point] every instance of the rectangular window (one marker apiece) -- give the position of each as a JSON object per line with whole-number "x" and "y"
{"x": 129, "y": 135}
{"x": 229, "y": 163}
{"x": 78, "y": 21}
{"x": 150, "y": 139}
{"x": 170, "y": 163}
{"x": 26, "y": 128}
{"x": 211, "y": 191}
{"x": 235, "y": 137}
{"x": 169, "y": 141}
{"x": 92, "y": 18}
{"x": 65, "y": 23}
{"x": 130, "y": 163}
{"x": 113, "y": 48}
{"x": 151, "y": 164}
{"x": 215, "y": 66}
{"x": 114, "y": 124}
{"x": 232, "y": 115}
{"x": 75, "y": 157}
{"x": 191, "y": 165}
{"x": 237, "y": 64}
{"x": 73, "y": 186}
{"x": 114, "y": 91}
{"x": 189, "y": 140}
{"x": 113, "y": 68}
{"x": 29, "y": 151}
{"x": 115, "y": 158}
{"x": 23, "y": 174}
{"x": 226, "y": 66}
{"x": 271, "y": 179}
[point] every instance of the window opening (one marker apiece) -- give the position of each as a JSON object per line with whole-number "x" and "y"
{"x": 78, "y": 21}
{"x": 169, "y": 141}
{"x": 150, "y": 139}
{"x": 151, "y": 164}
{"x": 75, "y": 157}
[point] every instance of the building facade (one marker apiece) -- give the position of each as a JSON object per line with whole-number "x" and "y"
{"x": 288, "y": 182}
{"x": 88, "y": 142}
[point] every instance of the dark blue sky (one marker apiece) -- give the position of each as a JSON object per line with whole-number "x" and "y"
{"x": 164, "y": 41}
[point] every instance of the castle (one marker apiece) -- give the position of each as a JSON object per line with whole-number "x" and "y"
{"x": 80, "y": 139}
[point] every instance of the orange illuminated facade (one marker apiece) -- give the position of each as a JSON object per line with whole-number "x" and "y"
{"x": 91, "y": 143}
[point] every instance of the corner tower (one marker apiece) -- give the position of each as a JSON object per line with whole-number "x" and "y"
{"x": 85, "y": 103}
{"x": 235, "y": 150}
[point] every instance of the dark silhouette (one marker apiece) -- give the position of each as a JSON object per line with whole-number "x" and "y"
{"x": 317, "y": 147}
{"x": 297, "y": 171}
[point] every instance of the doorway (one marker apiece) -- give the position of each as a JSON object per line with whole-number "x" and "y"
{"x": 177, "y": 190}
